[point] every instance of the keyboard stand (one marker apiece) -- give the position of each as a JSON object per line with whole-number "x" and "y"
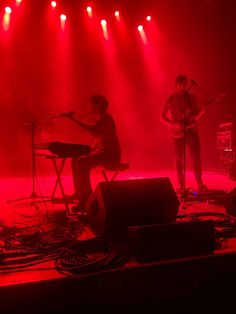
{"x": 58, "y": 182}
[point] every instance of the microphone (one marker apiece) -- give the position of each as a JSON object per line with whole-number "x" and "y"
{"x": 63, "y": 115}
{"x": 193, "y": 82}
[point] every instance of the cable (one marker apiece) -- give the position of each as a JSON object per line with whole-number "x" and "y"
{"x": 91, "y": 256}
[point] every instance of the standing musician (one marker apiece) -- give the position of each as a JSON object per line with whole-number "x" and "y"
{"x": 180, "y": 111}
{"x": 105, "y": 151}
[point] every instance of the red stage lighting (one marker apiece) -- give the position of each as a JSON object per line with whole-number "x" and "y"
{"x": 103, "y": 23}
{"x": 117, "y": 15}
{"x": 104, "y": 28}
{"x": 63, "y": 17}
{"x": 6, "y": 18}
{"x": 63, "y": 21}
{"x": 140, "y": 28}
{"x": 148, "y": 18}
{"x": 53, "y": 4}
{"x": 8, "y": 10}
{"x": 89, "y": 11}
{"x": 142, "y": 33}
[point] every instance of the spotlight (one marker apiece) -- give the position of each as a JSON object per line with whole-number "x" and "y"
{"x": 53, "y": 4}
{"x": 117, "y": 15}
{"x": 148, "y": 18}
{"x": 104, "y": 29}
{"x": 6, "y": 18}
{"x": 63, "y": 17}
{"x": 8, "y": 10}
{"x": 140, "y": 28}
{"x": 142, "y": 34}
{"x": 89, "y": 11}
{"x": 104, "y": 22}
{"x": 18, "y": 2}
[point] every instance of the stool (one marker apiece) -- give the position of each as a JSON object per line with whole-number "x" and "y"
{"x": 116, "y": 169}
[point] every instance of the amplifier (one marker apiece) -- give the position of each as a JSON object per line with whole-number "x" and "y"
{"x": 226, "y": 136}
{"x": 224, "y": 140}
{"x": 232, "y": 171}
{"x": 227, "y": 156}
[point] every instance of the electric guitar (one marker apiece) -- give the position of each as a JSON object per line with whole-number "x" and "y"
{"x": 179, "y": 127}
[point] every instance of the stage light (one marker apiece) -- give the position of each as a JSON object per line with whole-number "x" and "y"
{"x": 140, "y": 28}
{"x": 18, "y": 2}
{"x": 8, "y": 10}
{"x": 89, "y": 11}
{"x": 6, "y": 18}
{"x": 63, "y": 21}
{"x": 53, "y": 4}
{"x": 104, "y": 29}
{"x": 142, "y": 34}
{"x": 117, "y": 15}
{"x": 148, "y": 18}
{"x": 63, "y": 17}
{"x": 104, "y": 23}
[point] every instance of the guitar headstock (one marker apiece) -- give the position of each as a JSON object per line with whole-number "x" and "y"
{"x": 212, "y": 100}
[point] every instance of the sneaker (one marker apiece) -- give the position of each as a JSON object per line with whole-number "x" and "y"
{"x": 180, "y": 190}
{"x": 78, "y": 209}
{"x": 72, "y": 197}
{"x": 184, "y": 192}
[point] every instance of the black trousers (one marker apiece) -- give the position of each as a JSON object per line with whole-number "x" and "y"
{"x": 82, "y": 162}
{"x": 193, "y": 142}
{"x": 81, "y": 171}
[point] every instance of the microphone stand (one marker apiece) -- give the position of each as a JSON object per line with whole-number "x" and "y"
{"x": 185, "y": 191}
{"x": 33, "y": 194}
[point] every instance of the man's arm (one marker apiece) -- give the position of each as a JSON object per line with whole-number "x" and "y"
{"x": 94, "y": 129}
{"x": 197, "y": 111}
{"x": 165, "y": 114}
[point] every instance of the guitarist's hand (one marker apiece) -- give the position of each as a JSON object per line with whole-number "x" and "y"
{"x": 177, "y": 125}
{"x": 181, "y": 125}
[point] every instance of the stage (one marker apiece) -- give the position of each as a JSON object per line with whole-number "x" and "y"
{"x": 136, "y": 81}
{"x": 166, "y": 282}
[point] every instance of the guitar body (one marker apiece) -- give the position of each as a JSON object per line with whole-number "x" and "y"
{"x": 178, "y": 128}
{"x": 178, "y": 131}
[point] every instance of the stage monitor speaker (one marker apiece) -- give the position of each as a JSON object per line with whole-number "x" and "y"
{"x": 116, "y": 205}
{"x": 230, "y": 203}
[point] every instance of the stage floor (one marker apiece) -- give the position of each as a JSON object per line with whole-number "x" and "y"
{"x": 14, "y": 188}
{"x": 24, "y": 213}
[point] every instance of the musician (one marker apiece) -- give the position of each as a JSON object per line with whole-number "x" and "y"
{"x": 105, "y": 150}
{"x": 181, "y": 111}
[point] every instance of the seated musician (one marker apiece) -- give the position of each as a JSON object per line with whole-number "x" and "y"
{"x": 105, "y": 151}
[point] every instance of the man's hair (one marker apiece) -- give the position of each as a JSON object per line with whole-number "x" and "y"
{"x": 181, "y": 78}
{"x": 99, "y": 101}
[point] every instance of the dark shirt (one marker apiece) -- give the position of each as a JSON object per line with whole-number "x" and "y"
{"x": 180, "y": 106}
{"x": 104, "y": 130}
